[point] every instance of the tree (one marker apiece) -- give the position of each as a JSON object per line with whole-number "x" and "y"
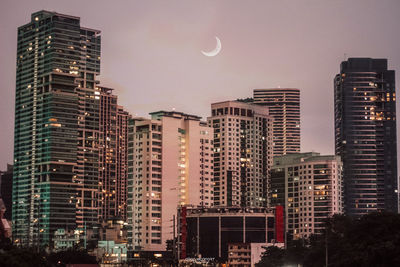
{"x": 71, "y": 257}
{"x": 271, "y": 257}
{"x": 372, "y": 240}
{"x": 245, "y": 100}
{"x": 17, "y": 257}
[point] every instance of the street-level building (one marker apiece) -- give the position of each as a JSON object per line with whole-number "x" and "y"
{"x": 248, "y": 254}
{"x": 239, "y": 254}
{"x": 208, "y": 232}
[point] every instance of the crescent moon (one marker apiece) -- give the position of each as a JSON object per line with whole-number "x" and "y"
{"x": 216, "y": 51}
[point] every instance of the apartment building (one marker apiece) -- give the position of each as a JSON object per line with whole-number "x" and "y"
{"x": 170, "y": 165}
{"x": 310, "y": 187}
{"x": 243, "y": 151}
{"x": 284, "y": 107}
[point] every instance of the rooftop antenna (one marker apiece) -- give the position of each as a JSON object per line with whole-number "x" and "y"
{"x": 344, "y": 57}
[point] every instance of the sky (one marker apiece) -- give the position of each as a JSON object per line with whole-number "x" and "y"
{"x": 151, "y": 52}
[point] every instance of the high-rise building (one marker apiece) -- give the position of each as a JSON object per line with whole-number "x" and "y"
{"x": 284, "y": 107}
{"x": 55, "y": 180}
{"x": 365, "y": 134}
{"x": 113, "y": 159}
{"x": 122, "y": 160}
{"x": 242, "y": 153}
{"x": 309, "y": 186}
{"x": 170, "y": 164}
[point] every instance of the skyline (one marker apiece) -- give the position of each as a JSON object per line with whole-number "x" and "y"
{"x": 145, "y": 80}
{"x": 86, "y": 170}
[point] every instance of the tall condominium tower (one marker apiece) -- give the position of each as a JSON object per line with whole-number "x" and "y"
{"x": 309, "y": 186}
{"x": 170, "y": 163}
{"x": 365, "y": 134}
{"x": 55, "y": 180}
{"x": 113, "y": 156}
{"x": 284, "y": 107}
{"x": 242, "y": 153}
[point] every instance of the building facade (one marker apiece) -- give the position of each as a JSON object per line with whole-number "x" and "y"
{"x": 209, "y": 231}
{"x": 248, "y": 254}
{"x": 243, "y": 150}
{"x": 55, "y": 177}
{"x": 170, "y": 164}
{"x": 5, "y": 227}
{"x": 6, "y": 178}
{"x": 122, "y": 161}
{"x": 239, "y": 254}
{"x": 365, "y": 134}
{"x": 284, "y": 107}
{"x": 310, "y": 187}
{"x": 113, "y": 141}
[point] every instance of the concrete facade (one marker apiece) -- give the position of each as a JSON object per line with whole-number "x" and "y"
{"x": 243, "y": 148}
{"x": 310, "y": 187}
{"x": 171, "y": 160}
{"x": 113, "y": 149}
{"x": 284, "y": 107}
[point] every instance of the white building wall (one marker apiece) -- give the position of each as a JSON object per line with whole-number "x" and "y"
{"x": 313, "y": 193}
{"x": 172, "y": 166}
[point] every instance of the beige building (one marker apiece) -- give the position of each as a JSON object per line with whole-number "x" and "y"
{"x": 239, "y": 255}
{"x": 310, "y": 186}
{"x": 247, "y": 254}
{"x": 243, "y": 149}
{"x": 284, "y": 106}
{"x": 170, "y": 164}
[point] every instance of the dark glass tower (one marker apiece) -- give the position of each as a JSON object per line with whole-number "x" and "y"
{"x": 365, "y": 134}
{"x": 55, "y": 180}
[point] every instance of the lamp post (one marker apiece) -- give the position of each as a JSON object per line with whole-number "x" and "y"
{"x": 173, "y": 239}
{"x": 326, "y": 247}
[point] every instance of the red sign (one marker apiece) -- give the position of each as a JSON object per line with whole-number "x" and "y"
{"x": 279, "y": 225}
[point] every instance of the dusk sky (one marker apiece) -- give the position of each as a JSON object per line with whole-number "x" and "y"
{"x": 151, "y": 53}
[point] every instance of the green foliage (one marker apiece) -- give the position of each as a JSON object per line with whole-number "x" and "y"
{"x": 71, "y": 257}
{"x": 17, "y": 257}
{"x": 28, "y": 257}
{"x": 372, "y": 240}
{"x": 273, "y": 256}
{"x": 245, "y": 100}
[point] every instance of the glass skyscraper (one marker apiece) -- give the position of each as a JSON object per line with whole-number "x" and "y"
{"x": 365, "y": 134}
{"x": 55, "y": 182}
